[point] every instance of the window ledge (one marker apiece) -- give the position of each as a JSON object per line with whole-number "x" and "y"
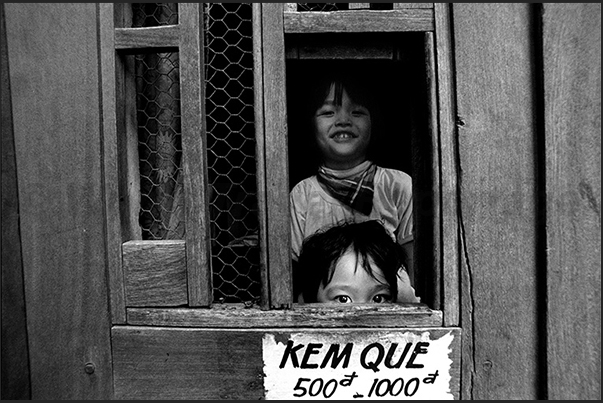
{"x": 301, "y": 315}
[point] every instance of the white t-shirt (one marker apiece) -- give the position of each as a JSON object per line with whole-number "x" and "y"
{"x": 392, "y": 205}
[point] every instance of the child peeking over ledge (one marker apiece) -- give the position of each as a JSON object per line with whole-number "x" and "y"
{"x": 353, "y": 262}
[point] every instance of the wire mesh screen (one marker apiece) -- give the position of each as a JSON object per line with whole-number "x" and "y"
{"x": 159, "y": 134}
{"x": 231, "y": 151}
{"x": 321, "y": 6}
{"x": 230, "y": 144}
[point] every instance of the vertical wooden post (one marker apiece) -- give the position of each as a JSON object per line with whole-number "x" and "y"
{"x": 276, "y": 163}
{"x": 448, "y": 167}
{"x": 196, "y": 188}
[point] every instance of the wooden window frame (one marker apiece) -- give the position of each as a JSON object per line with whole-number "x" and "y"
{"x": 131, "y": 260}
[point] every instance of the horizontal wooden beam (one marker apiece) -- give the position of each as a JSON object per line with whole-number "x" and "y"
{"x": 301, "y": 315}
{"x": 399, "y": 20}
{"x": 166, "y": 36}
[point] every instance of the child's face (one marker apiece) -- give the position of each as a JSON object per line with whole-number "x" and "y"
{"x": 352, "y": 284}
{"x": 342, "y": 132}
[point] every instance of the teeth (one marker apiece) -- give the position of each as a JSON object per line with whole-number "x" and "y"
{"x": 342, "y": 136}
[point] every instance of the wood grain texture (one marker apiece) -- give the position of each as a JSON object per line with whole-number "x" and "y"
{"x": 15, "y": 357}
{"x": 400, "y": 20}
{"x": 165, "y": 36}
{"x": 161, "y": 363}
{"x": 413, "y": 5}
{"x": 495, "y": 81}
{"x": 54, "y": 79}
{"x": 260, "y": 154}
{"x": 276, "y": 164}
{"x": 572, "y": 80}
{"x": 301, "y": 315}
{"x": 340, "y": 47}
{"x": 111, "y": 163}
{"x": 155, "y": 273}
{"x": 448, "y": 170}
{"x": 194, "y": 145}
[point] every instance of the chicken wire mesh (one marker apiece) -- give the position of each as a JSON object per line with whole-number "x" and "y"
{"x": 231, "y": 151}
{"x": 230, "y": 144}
{"x": 159, "y": 134}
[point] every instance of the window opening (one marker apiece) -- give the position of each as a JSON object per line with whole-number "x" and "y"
{"x": 401, "y": 134}
{"x": 231, "y": 152}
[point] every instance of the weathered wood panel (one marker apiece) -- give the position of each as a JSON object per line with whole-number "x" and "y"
{"x": 399, "y": 20}
{"x": 194, "y": 145}
{"x": 572, "y": 84}
{"x": 15, "y": 358}
{"x": 54, "y": 79}
{"x": 167, "y": 36}
{"x": 413, "y": 5}
{"x": 161, "y": 363}
{"x": 448, "y": 170}
{"x": 496, "y": 122}
{"x": 275, "y": 148}
{"x": 260, "y": 153}
{"x": 155, "y": 273}
{"x": 310, "y": 315}
{"x": 111, "y": 163}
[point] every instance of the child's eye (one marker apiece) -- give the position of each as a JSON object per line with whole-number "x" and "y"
{"x": 382, "y": 298}
{"x": 342, "y": 299}
{"x": 325, "y": 112}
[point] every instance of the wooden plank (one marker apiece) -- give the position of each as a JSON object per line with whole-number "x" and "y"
{"x": 165, "y": 36}
{"x": 572, "y": 102}
{"x": 497, "y": 127}
{"x": 309, "y": 315}
{"x": 448, "y": 170}
{"x": 54, "y": 79}
{"x": 260, "y": 155}
{"x": 155, "y": 273}
{"x": 15, "y": 357}
{"x": 398, "y": 6}
{"x": 276, "y": 164}
{"x": 194, "y": 166}
{"x": 402, "y": 20}
{"x": 337, "y": 47}
{"x": 160, "y": 363}
{"x": 110, "y": 164}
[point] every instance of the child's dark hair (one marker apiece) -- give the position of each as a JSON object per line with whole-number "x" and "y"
{"x": 369, "y": 239}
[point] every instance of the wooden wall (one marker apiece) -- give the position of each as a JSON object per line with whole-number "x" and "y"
{"x": 54, "y": 81}
{"x": 497, "y": 155}
{"x": 529, "y": 154}
{"x": 572, "y": 106}
{"x": 528, "y": 96}
{"x": 15, "y": 360}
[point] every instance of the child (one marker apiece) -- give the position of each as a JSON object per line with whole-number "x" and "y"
{"x": 348, "y": 185}
{"x": 353, "y": 263}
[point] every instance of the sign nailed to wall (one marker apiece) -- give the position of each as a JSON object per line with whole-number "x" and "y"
{"x": 362, "y": 364}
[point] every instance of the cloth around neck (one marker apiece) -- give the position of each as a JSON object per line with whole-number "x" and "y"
{"x": 353, "y": 187}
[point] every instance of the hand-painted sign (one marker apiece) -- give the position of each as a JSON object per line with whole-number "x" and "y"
{"x": 362, "y": 364}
